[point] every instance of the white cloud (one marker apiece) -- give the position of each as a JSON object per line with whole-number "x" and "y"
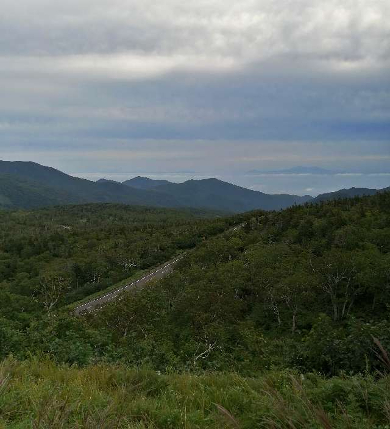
{"x": 346, "y": 31}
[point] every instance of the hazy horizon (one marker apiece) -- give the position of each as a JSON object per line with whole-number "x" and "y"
{"x": 215, "y": 88}
{"x": 298, "y": 184}
{"x": 270, "y": 182}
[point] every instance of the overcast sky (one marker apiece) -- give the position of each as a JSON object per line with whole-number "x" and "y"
{"x": 216, "y": 87}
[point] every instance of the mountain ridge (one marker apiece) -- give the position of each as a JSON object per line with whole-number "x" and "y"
{"x": 30, "y": 185}
{"x": 346, "y": 193}
{"x": 140, "y": 182}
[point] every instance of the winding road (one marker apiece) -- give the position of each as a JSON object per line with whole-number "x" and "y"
{"x": 97, "y": 303}
{"x": 158, "y": 273}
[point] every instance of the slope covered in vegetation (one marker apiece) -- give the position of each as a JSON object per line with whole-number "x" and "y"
{"x": 269, "y": 321}
{"x": 52, "y": 257}
{"x": 305, "y": 288}
{"x": 40, "y": 394}
{"x": 17, "y": 192}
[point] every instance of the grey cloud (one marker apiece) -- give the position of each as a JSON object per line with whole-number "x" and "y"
{"x": 181, "y": 105}
{"x": 174, "y": 84}
{"x": 350, "y": 30}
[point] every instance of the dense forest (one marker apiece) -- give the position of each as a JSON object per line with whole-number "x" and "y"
{"x": 50, "y": 258}
{"x": 293, "y": 303}
{"x": 303, "y": 288}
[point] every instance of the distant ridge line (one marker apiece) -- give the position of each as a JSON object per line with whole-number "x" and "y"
{"x": 28, "y": 185}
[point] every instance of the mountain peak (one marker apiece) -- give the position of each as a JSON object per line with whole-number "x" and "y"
{"x": 140, "y": 182}
{"x": 103, "y": 180}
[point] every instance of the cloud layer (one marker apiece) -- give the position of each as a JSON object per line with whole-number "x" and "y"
{"x": 135, "y": 82}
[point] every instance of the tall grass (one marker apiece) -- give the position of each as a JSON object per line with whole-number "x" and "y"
{"x": 40, "y": 394}
{"x": 382, "y": 354}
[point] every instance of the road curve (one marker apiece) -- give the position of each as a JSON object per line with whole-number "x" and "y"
{"x": 157, "y": 273}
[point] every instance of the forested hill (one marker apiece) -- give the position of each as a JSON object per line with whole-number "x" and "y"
{"x": 21, "y": 182}
{"x": 28, "y": 185}
{"x": 17, "y": 192}
{"x": 91, "y": 247}
{"x": 303, "y": 288}
{"x": 306, "y": 287}
{"x": 216, "y": 194}
{"x": 279, "y": 299}
{"x": 345, "y": 193}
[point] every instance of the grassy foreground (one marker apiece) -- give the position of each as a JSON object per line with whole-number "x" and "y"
{"x": 41, "y": 394}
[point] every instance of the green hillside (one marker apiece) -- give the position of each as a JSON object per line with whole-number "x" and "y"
{"x": 214, "y": 194}
{"x": 17, "y": 192}
{"x": 345, "y": 193}
{"x": 87, "y": 248}
{"x": 302, "y": 288}
{"x": 49, "y": 181}
{"x": 270, "y": 320}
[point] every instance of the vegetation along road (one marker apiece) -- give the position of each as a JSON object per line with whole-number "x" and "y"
{"x": 158, "y": 273}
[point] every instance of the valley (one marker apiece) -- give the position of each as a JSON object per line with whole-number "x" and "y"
{"x": 194, "y": 214}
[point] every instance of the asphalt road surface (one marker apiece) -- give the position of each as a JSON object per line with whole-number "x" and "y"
{"x": 97, "y": 303}
{"x": 158, "y": 273}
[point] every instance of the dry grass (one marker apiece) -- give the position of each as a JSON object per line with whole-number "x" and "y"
{"x": 382, "y": 354}
{"x": 230, "y": 419}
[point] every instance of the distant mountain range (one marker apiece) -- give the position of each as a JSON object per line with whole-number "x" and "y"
{"x": 29, "y": 185}
{"x": 48, "y": 182}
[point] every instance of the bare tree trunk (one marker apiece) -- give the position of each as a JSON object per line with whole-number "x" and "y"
{"x": 277, "y": 314}
{"x": 373, "y": 302}
{"x": 335, "y": 311}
